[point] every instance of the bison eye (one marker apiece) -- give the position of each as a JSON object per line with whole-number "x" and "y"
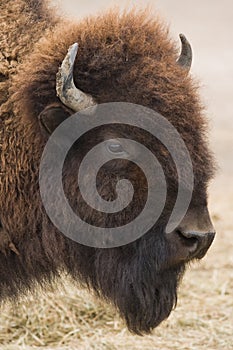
{"x": 116, "y": 148}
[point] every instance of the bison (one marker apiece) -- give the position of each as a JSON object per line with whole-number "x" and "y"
{"x": 122, "y": 57}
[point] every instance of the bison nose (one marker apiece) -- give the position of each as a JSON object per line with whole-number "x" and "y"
{"x": 197, "y": 243}
{"x": 192, "y": 237}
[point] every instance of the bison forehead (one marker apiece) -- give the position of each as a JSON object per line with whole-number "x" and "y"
{"x": 117, "y": 55}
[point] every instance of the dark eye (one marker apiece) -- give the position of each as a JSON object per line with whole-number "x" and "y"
{"x": 116, "y": 148}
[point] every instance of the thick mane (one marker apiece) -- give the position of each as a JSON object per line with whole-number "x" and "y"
{"x": 23, "y": 22}
{"x": 113, "y": 48}
{"x": 125, "y": 57}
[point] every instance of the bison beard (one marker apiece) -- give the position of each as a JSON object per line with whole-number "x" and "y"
{"x": 143, "y": 292}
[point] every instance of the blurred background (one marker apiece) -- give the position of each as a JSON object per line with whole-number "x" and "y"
{"x": 72, "y": 319}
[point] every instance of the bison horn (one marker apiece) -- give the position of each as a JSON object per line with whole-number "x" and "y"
{"x": 185, "y": 59}
{"x": 67, "y": 92}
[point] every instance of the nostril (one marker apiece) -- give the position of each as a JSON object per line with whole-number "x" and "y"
{"x": 193, "y": 234}
{"x": 200, "y": 236}
{"x": 187, "y": 245}
{"x": 196, "y": 241}
{"x": 189, "y": 240}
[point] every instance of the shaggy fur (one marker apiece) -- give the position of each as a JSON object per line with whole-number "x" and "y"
{"x": 127, "y": 57}
{"x": 22, "y": 24}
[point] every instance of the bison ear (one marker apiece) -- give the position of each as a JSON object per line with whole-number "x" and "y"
{"x": 51, "y": 117}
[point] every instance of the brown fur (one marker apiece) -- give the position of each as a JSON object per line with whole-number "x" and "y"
{"x": 22, "y": 24}
{"x": 127, "y": 58}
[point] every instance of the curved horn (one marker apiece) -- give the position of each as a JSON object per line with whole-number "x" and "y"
{"x": 67, "y": 92}
{"x": 185, "y": 59}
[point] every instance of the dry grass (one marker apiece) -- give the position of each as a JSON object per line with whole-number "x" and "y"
{"x": 72, "y": 319}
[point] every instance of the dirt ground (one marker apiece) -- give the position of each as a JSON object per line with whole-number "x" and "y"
{"x": 203, "y": 318}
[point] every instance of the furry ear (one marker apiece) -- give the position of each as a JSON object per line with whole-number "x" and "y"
{"x": 51, "y": 117}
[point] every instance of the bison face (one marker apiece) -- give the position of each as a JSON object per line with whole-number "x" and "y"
{"x": 140, "y": 278}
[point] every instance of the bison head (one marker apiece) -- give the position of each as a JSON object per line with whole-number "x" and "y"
{"x": 126, "y": 58}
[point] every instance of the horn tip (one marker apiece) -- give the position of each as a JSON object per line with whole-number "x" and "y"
{"x": 75, "y": 45}
{"x": 182, "y": 37}
{"x": 73, "y": 49}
